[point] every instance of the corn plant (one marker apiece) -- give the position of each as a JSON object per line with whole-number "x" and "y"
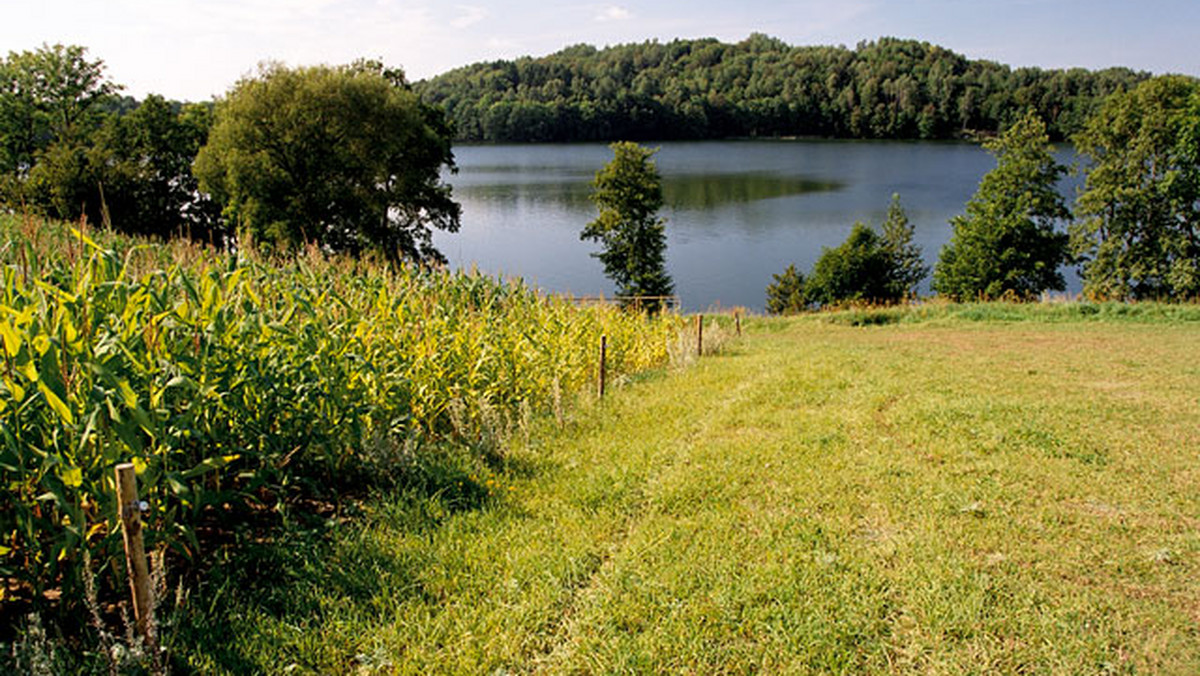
{"x": 228, "y": 379}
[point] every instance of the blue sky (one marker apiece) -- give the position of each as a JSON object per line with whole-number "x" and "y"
{"x": 195, "y": 49}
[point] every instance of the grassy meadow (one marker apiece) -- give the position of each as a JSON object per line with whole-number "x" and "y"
{"x": 961, "y": 490}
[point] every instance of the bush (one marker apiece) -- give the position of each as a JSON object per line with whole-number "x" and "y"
{"x": 786, "y": 294}
{"x": 867, "y": 267}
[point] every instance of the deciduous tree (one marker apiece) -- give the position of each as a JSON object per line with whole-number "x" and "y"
{"x": 785, "y": 295}
{"x": 51, "y": 103}
{"x": 857, "y": 270}
{"x": 628, "y": 193}
{"x": 344, "y": 157}
{"x": 1007, "y": 242}
{"x": 143, "y": 163}
{"x": 1138, "y": 232}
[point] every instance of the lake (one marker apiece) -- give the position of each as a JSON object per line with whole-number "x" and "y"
{"x": 737, "y": 211}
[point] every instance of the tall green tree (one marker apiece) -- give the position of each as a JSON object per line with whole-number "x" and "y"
{"x": 908, "y": 266}
{"x": 142, "y": 163}
{"x": 1138, "y": 227}
{"x": 1007, "y": 242}
{"x": 52, "y": 101}
{"x": 628, "y": 193}
{"x": 347, "y": 158}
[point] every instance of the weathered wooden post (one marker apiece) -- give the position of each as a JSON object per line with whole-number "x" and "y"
{"x": 603, "y": 362}
{"x": 135, "y": 550}
{"x": 737, "y": 321}
{"x": 699, "y": 335}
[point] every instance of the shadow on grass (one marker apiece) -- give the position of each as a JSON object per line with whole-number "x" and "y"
{"x": 261, "y": 602}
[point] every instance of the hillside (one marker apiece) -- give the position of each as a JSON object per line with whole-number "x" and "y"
{"x": 701, "y": 89}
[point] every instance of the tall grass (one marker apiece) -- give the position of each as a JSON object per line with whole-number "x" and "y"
{"x": 231, "y": 380}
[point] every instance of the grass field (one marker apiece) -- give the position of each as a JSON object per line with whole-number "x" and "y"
{"x": 936, "y": 496}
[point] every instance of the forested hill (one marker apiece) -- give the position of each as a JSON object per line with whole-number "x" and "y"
{"x": 699, "y": 89}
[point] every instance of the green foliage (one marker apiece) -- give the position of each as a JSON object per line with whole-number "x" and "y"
{"x": 227, "y": 381}
{"x": 71, "y": 149}
{"x": 786, "y": 295}
{"x": 142, "y": 162}
{"x": 908, "y": 267}
{"x": 51, "y": 103}
{"x": 866, "y": 267}
{"x": 628, "y": 193}
{"x": 1138, "y": 232}
{"x": 860, "y": 269}
{"x": 347, "y": 158}
{"x": 889, "y": 88}
{"x": 48, "y": 96}
{"x": 1006, "y": 243}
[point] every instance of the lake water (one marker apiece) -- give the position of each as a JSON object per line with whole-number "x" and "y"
{"x": 737, "y": 211}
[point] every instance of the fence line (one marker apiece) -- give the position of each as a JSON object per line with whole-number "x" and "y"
{"x": 673, "y": 302}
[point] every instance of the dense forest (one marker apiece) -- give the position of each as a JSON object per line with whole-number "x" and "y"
{"x": 700, "y": 89}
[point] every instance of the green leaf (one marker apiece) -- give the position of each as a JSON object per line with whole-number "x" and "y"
{"x": 127, "y": 394}
{"x": 60, "y": 407}
{"x": 86, "y": 240}
{"x": 12, "y": 339}
{"x": 208, "y": 465}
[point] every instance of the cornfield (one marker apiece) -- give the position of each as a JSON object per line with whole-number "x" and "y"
{"x": 225, "y": 378}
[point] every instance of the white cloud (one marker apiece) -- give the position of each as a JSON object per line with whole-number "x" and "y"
{"x": 613, "y": 13}
{"x": 469, "y": 16}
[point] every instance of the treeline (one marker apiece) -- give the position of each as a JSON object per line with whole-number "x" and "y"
{"x": 72, "y": 147}
{"x": 346, "y": 158}
{"x": 704, "y": 89}
{"x": 1134, "y": 232}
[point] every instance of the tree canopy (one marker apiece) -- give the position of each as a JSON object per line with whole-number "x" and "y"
{"x": 859, "y": 269}
{"x": 785, "y": 294}
{"x": 694, "y": 89}
{"x": 70, "y": 148}
{"x": 1007, "y": 243}
{"x": 1138, "y": 231}
{"x": 628, "y": 193}
{"x": 867, "y": 267}
{"x": 347, "y": 158}
{"x": 51, "y": 103}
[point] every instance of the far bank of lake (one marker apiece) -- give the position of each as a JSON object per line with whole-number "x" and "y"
{"x": 737, "y": 211}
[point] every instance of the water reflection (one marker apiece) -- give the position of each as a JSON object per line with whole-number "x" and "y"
{"x": 708, "y": 191}
{"x": 737, "y": 211}
{"x": 681, "y": 192}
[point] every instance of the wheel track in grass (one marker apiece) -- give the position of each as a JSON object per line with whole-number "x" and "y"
{"x": 557, "y": 652}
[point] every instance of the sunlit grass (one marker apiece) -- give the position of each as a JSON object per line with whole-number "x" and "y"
{"x": 945, "y": 496}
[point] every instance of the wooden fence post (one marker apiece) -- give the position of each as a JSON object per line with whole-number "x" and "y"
{"x": 699, "y": 335}
{"x": 135, "y": 550}
{"x": 737, "y": 320}
{"x": 603, "y": 362}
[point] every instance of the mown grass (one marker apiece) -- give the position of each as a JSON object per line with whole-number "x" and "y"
{"x": 1053, "y": 311}
{"x": 947, "y": 496}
